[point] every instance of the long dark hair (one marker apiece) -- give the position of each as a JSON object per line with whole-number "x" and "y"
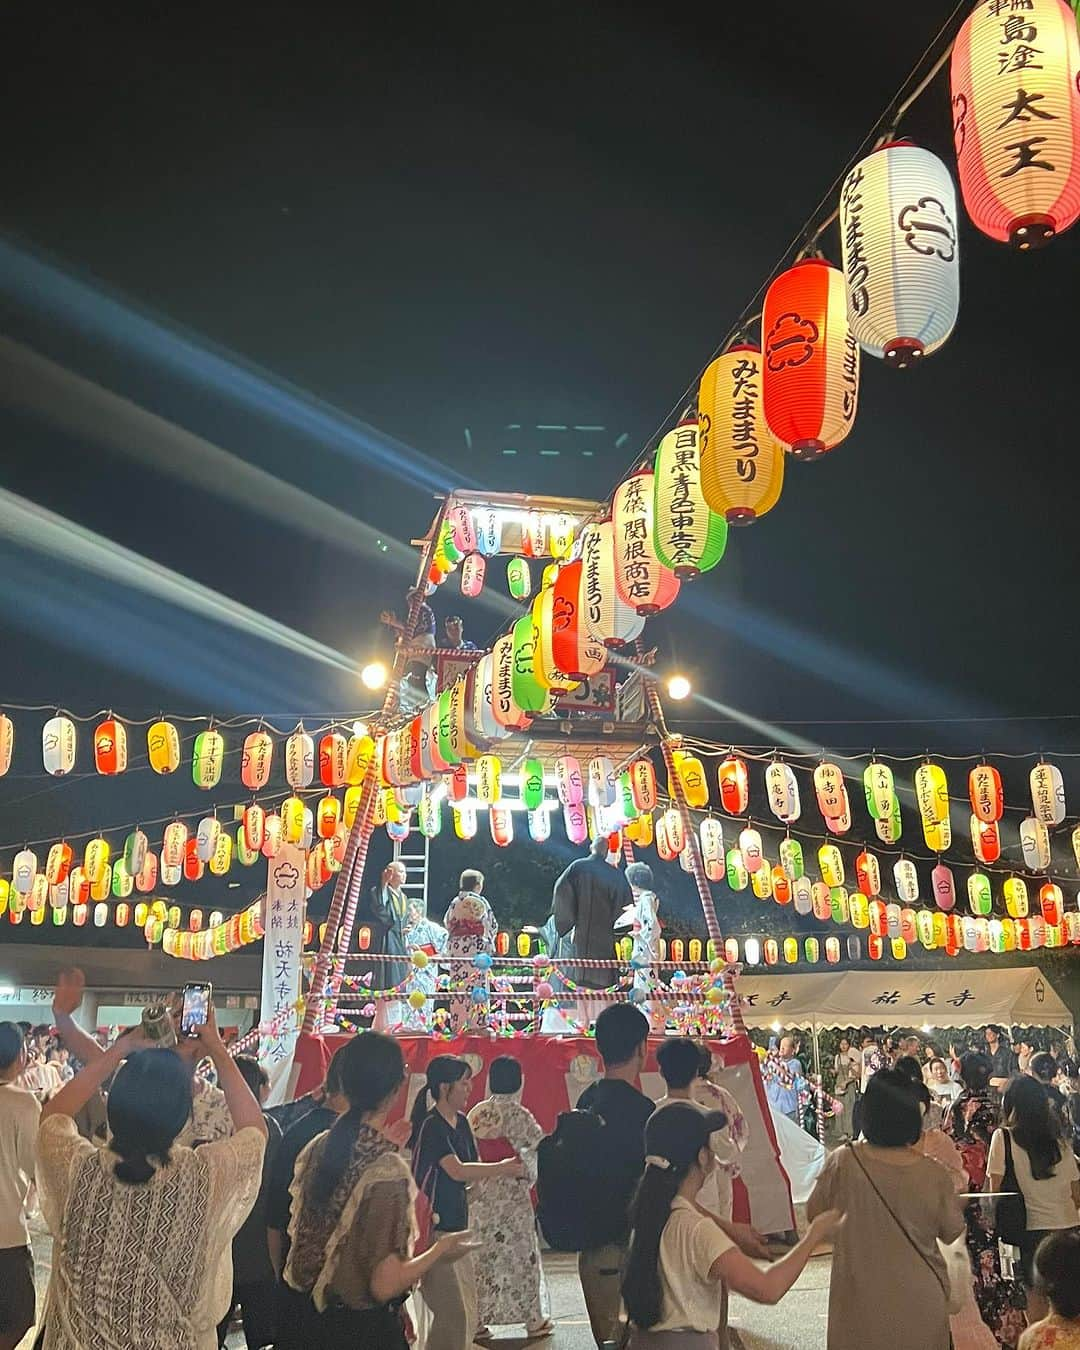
{"x": 370, "y": 1069}
{"x": 1026, "y": 1110}
{"x": 149, "y": 1104}
{"x": 674, "y": 1138}
{"x": 442, "y": 1069}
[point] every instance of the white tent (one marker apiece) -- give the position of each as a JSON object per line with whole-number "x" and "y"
{"x": 1010, "y": 996}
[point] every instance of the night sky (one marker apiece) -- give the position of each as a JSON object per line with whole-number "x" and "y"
{"x": 351, "y": 250}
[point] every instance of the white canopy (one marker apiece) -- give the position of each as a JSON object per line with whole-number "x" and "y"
{"x": 1011, "y": 996}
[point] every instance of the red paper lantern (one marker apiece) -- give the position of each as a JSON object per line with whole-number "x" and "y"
{"x": 333, "y": 758}
{"x": 984, "y": 790}
{"x": 193, "y": 864}
{"x": 810, "y": 381}
{"x": 110, "y": 747}
{"x": 734, "y": 786}
{"x": 1016, "y": 119}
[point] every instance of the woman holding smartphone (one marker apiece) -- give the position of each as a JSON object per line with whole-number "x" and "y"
{"x": 142, "y": 1229}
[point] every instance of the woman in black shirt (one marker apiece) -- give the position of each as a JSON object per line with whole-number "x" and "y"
{"x": 444, "y": 1162}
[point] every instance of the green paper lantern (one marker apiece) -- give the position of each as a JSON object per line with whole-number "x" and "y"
{"x": 688, "y": 537}
{"x": 519, "y": 578}
{"x": 529, "y": 694}
{"x": 532, "y": 784}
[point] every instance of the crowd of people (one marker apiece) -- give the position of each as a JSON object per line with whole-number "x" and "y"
{"x": 176, "y": 1203}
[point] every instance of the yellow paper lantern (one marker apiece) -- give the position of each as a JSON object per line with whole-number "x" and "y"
{"x": 163, "y": 747}
{"x": 742, "y": 463}
{"x": 292, "y": 819}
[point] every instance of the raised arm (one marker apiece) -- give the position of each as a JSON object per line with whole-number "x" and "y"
{"x": 70, "y": 986}
{"x": 245, "y": 1110}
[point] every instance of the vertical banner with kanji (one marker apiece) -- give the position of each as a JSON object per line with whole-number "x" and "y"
{"x": 282, "y": 947}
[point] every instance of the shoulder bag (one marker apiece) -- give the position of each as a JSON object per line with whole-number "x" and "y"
{"x": 953, "y": 1286}
{"x": 1010, "y": 1211}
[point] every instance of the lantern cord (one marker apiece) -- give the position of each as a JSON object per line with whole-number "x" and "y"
{"x": 912, "y": 88}
{"x": 265, "y": 720}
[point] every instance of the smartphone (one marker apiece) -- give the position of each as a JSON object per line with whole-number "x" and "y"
{"x": 195, "y": 1009}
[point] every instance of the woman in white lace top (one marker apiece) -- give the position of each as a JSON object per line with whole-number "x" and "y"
{"x": 142, "y": 1229}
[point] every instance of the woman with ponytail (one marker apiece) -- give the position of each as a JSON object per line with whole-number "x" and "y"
{"x": 143, "y": 1229}
{"x": 353, "y": 1214}
{"x": 444, "y": 1163}
{"x": 679, "y": 1255}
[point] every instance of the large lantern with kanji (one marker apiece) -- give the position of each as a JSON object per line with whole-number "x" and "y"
{"x": 742, "y": 462}
{"x": 901, "y": 256}
{"x": 641, "y": 579}
{"x": 688, "y": 535}
{"x": 608, "y": 619}
{"x": 810, "y": 379}
{"x": 1016, "y": 119}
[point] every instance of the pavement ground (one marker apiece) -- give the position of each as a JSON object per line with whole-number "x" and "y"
{"x": 797, "y": 1323}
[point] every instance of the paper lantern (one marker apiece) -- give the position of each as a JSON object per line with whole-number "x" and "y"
{"x": 488, "y": 523}
{"x": 980, "y": 897}
{"x": 688, "y": 536}
{"x": 147, "y": 878}
{"x": 100, "y": 887}
{"x": 643, "y": 784}
{"x": 984, "y": 790}
{"x": 207, "y": 760}
{"x": 839, "y": 910}
{"x": 360, "y": 753}
{"x": 761, "y": 882}
{"x": 568, "y": 635}
{"x": 123, "y": 879}
{"x": 79, "y": 915}
{"x": 246, "y": 854}
{"x": 163, "y": 747}
{"x": 734, "y": 784}
{"x": 830, "y": 790}
{"x": 868, "y": 874}
{"x": 641, "y": 579}
{"x": 462, "y": 529}
{"x": 676, "y": 831}
{"x": 532, "y": 784}
{"x": 880, "y": 790}
{"x": 328, "y": 816}
{"x": 832, "y": 950}
{"x": 802, "y": 895}
{"x": 1016, "y": 898}
{"x": 1048, "y": 788}
{"x": 752, "y": 850}
{"x": 782, "y": 790}
{"x": 7, "y": 742}
{"x": 711, "y": 835}
{"x": 771, "y": 951}
{"x": 602, "y": 782}
{"x": 791, "y": 858}
{"x": 142, "y": 913}
{"x": 193, "y": 864}
{"x": 906, "y": 880}
{"x": 780, "y": 885}
{"x": 985, "y": 840}
{"x": 173, "y": 843}
{"x": 608, "y": 619}
{"x": 299, "y": 759}
{"x": 924, "y": 923}
{"x": 254, "y": 825}
{"x": 575, "y": 823}
{"x": 831, "y": 865}
{"x": 501, "y": 822}
{"x": 859, "y": 911}
{"x": 735, "y": 873}
{"x": 840, "y": 824}
{"x": 901, "y": 255}
{"x": 58, "y": 745}
{"x": 110, "y": 747}
{"x": 465, "y": 821}
{"x": 810, "y": 379}
{"x": 24, "y": 870}
{"x": 539, "y": 822}
{"x": 488, "y": 778}
{"x": 1051, "y": 903}
{"x": 691, "y": 775}
{"x": 95, "y": 860}
{"x": 663, "y": 841}
{"x": 221, "y": 861}
{"x": 472, "y": 575}
{"x": 812, "y": 950}
{"x": 333, "y": 753}
{"x": 292, "y": 819}
{"x": 528, "y": 693}
{"x": 58, "y": 863}
{"x": 640, "y": 830}
{"x": 889, "y": 828}
{"x": 1035, "y": 844}
{"x": 941, "y": 879}
{"x": 256, "y": 759}
{"x": 938, "y": 835}
{"x": 519, "y": 578}
{"x": 206, "y": 837}
{"x": 742, "y": 463}
{"x": 892, "y": 921}
{"x": 1016, "y": 119}
{"x": 932, "y": 793}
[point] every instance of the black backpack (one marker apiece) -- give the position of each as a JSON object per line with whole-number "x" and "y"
{"x": 569, "y": 1180}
